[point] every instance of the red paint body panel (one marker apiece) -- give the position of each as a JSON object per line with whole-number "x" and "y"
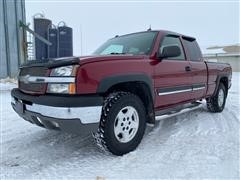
{"x": 170, "y": 73}
{"x": 215, "y": 70}
{"x": 89, "y": 75}
{"x": 199, "y": 76}
{"x": 164, "y": 73}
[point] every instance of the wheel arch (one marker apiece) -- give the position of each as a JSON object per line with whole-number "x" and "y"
{"x": 139, "y": 84}
{"x": 221, "y": 79}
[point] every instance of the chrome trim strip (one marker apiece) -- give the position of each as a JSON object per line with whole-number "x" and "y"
{"x": 91, "y": 114}
{"x": 174, "y": 92}
{"x": 181, "y": 91}
{"x": 39, "y": 79}
{"x": 198, "y": 88}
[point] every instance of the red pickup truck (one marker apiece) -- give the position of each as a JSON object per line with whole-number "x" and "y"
{"x": 126, "y": 83}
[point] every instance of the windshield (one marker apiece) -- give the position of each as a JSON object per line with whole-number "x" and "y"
{"x": 137, "y": 44}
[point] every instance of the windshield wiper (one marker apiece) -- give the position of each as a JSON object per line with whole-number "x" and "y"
{"x": 116, "y": 53}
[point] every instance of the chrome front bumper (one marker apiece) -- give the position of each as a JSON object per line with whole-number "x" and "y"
{"x": 86, "y": 115}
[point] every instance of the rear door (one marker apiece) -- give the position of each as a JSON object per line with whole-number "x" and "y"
{"x": 198, "y": 68}
{"x": 173, "y": 82}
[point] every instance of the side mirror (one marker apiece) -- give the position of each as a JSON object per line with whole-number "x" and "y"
{"x": 169, "y": 51}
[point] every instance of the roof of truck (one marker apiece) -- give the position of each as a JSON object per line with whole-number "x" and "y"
{"x": 162, "y": 31}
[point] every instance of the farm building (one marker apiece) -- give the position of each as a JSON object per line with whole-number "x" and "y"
{"x": 229, "y": 54}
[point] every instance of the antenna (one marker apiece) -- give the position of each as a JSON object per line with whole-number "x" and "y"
{"x": 149, "y": 29}
{"x": 81, "y": 39}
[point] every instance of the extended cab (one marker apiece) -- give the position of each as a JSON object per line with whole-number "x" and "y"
{"x": 126, "y": 83}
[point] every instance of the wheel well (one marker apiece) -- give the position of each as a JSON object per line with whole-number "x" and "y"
{"x": 224, "y": 81}
{"x": 140, "y": 89}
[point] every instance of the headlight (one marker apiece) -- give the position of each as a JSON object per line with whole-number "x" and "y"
{"x": 62, "y": 71}
{"x": 64, "y": 88}
{"x": 58, "y": 88}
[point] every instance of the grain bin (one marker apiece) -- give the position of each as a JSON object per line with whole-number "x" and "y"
{"x": 53, "y": 38}
{"x": 41, "y": 26}
{"x": 65, "y": 39}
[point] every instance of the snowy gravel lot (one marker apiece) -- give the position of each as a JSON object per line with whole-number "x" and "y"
{"x": 197, "y": 144}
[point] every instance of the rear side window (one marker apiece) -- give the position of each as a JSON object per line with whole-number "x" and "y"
{"x": 170, "y": 41}
{"x": 193, "y": 50}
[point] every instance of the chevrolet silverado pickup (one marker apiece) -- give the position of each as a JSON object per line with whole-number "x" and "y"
{"x": 126, "y": 83}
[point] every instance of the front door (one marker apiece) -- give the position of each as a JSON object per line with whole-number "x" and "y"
{"x": 172, "y": 78}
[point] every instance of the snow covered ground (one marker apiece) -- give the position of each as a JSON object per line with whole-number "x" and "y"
{"x": 197, "y": 144}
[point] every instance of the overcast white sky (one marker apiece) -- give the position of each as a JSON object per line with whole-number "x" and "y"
{"x": 212, "y": 23}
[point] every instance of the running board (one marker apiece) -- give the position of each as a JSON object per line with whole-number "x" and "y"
{"x": 177, "y": 110}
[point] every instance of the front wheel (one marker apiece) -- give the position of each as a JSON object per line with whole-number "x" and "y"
{"x": 217, "y": 102}
{"x": 122, "y": 124}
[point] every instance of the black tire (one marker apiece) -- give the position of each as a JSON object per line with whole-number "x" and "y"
{"x": 213, "y": 102}
{"x": 113, "y": 104}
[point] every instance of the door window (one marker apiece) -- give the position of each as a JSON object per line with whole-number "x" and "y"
{"x": 193, "y": 50}
{"x": 172, "y": 41}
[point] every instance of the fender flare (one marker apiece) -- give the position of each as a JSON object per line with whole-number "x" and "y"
{"x": 218, "y": 82}
{"x": 106, "y": 83}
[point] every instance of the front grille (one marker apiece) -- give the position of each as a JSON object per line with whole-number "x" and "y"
{"x": 34, "y": 71}
{"x": 38, "y": 88}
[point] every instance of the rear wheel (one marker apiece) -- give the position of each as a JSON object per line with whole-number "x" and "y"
{"x": 217, "y": 102}
{"x": 122, "y": 123}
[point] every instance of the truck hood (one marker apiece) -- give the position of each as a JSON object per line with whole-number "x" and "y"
{"x": 52, "y": 63}
{"x": 91, "y": 59}
{"x": 57, "y": 62}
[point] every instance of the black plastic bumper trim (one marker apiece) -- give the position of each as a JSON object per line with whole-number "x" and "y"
{"x": 58, "y": 100}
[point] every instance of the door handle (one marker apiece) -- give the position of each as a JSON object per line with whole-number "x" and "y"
{"x": 188, "y": 68}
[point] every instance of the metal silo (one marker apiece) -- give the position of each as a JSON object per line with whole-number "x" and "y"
{"x": 53, "y": 38}
{"x": 65, "y": 40}
{"x": 12, "y": 37}
{"x": 41, "y": 26}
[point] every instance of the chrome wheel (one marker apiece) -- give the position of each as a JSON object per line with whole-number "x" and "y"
{"x": 220, "y": 98}
{"x": 126, "y": 124}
